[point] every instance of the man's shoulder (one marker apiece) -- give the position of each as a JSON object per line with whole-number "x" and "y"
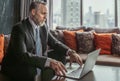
{"x": 22, "y": 22}
{"x": 21, "y": 26}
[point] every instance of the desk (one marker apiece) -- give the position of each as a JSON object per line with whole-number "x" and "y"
{"x": 99, "y": 73}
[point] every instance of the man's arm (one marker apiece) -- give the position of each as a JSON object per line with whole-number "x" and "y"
{"x": 57, "y": 45}
{"x": 63, "y": 49}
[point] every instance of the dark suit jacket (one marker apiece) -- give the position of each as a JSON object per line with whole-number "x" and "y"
{"x": 20, "y": 60}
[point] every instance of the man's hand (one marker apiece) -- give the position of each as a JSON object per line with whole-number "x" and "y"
{"x": 58, "y": 67}
{"x": 75, "y": 57}
{"x": 58, "y": 78}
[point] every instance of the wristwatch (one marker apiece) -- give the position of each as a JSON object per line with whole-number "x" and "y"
{"x": 71, "y": 52}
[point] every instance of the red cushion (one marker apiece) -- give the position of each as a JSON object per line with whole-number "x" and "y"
{"x": 70, "y": 39}
{"x": 1, "y": 47}
{"x": 104, "y": 42}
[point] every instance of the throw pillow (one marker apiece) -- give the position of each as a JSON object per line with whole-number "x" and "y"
{"x": 116, "y": 44}
{"x": 104, "y": 42}
{"x": 58, "y": 34}
{"x": 1, "y": 47}
{"x": 85, "y": 42}
{"x": 70, "y": 39}
{"x": 6, "y": 42}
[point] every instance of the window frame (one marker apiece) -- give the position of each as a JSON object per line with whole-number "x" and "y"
{"x": 50, "y": 16}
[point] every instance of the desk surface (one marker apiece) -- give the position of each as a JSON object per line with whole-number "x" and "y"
{"x": 99, "y": 73}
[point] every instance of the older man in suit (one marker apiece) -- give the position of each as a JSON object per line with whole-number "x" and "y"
{"x": 25, "y": 55}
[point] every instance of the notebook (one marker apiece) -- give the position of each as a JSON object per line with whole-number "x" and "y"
{"x": 76, "y": 72}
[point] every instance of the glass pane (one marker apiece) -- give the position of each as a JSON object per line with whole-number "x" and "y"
{"x": 98, "y": 13}
{"x": 66, "y": 13}
{"x": 118, "y": 13}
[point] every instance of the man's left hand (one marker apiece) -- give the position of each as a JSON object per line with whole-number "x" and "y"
{"x": 74, "y": 57}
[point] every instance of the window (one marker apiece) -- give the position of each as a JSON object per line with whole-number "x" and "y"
{"x": 57, "y": 16}
{"x": 118, "y": 8}
{"x": 65, "y": 12}
{"x": 94, "y": 13}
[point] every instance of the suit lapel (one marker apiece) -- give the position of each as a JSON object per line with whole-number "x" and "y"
{"x": 31, "y": 31}
{"x": 43, "y": 35}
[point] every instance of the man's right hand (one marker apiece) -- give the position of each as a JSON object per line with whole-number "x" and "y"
{"x": 58, "y": 67}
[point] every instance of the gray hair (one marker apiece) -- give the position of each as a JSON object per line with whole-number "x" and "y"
{"x": 34, "y": 4}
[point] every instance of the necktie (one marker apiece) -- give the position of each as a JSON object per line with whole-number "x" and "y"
{"x": 38, "y": 43}
{"x": 38, "y": 51}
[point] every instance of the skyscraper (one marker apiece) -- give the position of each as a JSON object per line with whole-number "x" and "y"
{"x": 70, "y": 11}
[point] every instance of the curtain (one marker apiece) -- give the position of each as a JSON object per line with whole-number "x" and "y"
{"x": 24, "y": 8}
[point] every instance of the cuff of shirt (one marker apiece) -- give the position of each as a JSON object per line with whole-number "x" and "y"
{"x": 67, "y": 53}
{"x": 70, "y": 51}
{"x": 47, "y": 63}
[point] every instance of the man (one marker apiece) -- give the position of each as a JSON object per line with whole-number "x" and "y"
{"x": 22, "y": 59}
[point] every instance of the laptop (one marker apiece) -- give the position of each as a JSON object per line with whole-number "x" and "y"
{"x": 76, "y": 72}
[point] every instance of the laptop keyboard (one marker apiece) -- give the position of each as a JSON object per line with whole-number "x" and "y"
{"x": 74, "y": 72}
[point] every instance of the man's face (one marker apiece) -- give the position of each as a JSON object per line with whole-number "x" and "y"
{"x": 40, "y": 14}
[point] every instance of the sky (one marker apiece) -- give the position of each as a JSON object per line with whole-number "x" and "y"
{"x": 100, "y": 5}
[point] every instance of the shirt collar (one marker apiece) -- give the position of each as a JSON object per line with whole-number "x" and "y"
{"x": 33, "y": 24}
